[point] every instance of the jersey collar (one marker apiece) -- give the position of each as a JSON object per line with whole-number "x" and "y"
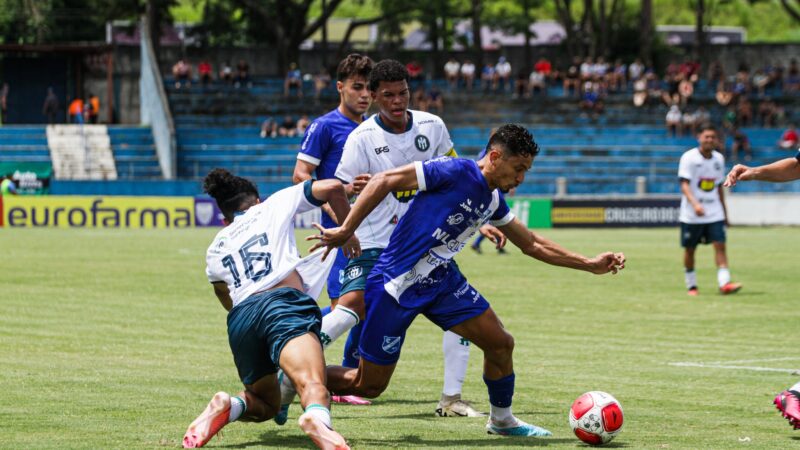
{"x": 387, "y": 129}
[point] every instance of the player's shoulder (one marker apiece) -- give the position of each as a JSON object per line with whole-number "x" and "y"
{"x": 691, "y": 153}
{"x": 366, "y": 128}
{"x": 425, "y": 118}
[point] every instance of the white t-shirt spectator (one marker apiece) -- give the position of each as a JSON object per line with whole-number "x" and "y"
{"x": 468, "y": 69}
{"x": 503, "y": 69}
{"x": 635, "y": 70}
{"x": 451, "y": 68}
{"x": 674, "y": 114}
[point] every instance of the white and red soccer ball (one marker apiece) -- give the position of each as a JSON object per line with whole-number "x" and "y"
{"x": 595, "y": 417}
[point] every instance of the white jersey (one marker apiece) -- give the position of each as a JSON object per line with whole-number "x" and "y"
{"x": 705, "y": 177}
{"x": 258, "y": 249}
{"x": 371, "y": 149}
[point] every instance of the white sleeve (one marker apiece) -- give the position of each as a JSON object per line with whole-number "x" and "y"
{"x": 685, "y": 167}
{"x": 292, "y": 200}
{"x": 446, "y": 145}
{"x": 354, "y": 160}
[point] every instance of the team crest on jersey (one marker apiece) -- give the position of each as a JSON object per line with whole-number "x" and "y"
{"x": 394, "y": 220}
{"x": 422, "y": 143}
{"x": 354, "y": 272}
{"x": 391, "y": 344}
{"x": 455, "y": 219}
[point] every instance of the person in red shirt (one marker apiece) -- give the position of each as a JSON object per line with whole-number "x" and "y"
{"x": 204, "y": 71}
{"x": 543, "y": 66}
{"x": 789, "y": 139}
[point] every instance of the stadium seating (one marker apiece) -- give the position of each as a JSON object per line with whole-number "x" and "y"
{"x": 134, "y": 152}
{"x": 24, "y": 144}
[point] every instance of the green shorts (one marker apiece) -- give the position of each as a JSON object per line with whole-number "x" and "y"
{"x": 357, "y": 269}
{"x": 260, "y": 326}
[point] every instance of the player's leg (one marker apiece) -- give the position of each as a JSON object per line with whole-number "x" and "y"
{"x": 690, "y": 237}
{"x": 456, "y": 358}
{"x": 716, "y": 235}
{"x": 476, "y": 244}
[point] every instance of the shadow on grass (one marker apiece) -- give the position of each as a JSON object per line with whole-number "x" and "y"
{"x": 489, "y": 441}
{"x": 276, "y": 439}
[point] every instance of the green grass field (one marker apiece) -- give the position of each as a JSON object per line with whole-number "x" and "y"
{"x": 112, "y": 339}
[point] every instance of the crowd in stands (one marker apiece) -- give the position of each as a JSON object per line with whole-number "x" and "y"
{"x": 288, "y": 127}
{"x": 182, "y": 74}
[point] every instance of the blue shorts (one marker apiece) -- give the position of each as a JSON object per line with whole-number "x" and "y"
{"x": 702, "y": 233}
{"x": 336, "y": 276}
{"x": 448, "y": 303}
{"x": 357, "y": 270}
{"x": 260, "y": 326}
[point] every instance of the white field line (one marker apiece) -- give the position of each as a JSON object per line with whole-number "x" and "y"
{"x": 736, "y": 367}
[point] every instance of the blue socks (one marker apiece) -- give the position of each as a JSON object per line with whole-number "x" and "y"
{"x": 500, "y": 391}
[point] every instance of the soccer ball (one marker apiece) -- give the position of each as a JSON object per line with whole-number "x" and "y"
{"x": 596, "y": 417}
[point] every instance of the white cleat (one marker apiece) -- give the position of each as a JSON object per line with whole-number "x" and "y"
{"x": 454, "y": 406}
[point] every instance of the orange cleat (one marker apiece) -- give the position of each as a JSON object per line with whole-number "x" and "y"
{"x": 692, "y": 291}
{"x": 730, "y": 288}
{"x": 207, "y": 424}
{"x": 324, "y": 437}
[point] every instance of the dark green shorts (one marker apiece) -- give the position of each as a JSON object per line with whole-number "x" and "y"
{"x": 357, "y": 269}
{"x": 260, "y": 326}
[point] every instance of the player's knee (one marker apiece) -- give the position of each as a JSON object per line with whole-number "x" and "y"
{"x": 372, "y": 389}
{"x": 504, "y": 347}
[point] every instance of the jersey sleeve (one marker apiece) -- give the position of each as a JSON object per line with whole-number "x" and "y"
{"x": 214, "y": 268}
{"x": 446, "y": 146}
{"x": 314, "y": 145}
{"x": 502, "y": 215}
{"x": 294, "y": 199}
{"x": 685, "y": 171}
{"x": 354, "y": 160}
{"x": 438, "y": 173}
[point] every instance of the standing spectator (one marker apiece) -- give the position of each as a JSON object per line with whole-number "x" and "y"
{"x": 302, "y": 123}
{"x": 502, "y": 74}
{"x": 415, "y": 75}
{"x": 242, "y": 74}
{"x": 51, "y": 106}
{"x": 75, "y": 111}
{"x": 182, "y": 72}
{"x": 792, "y": 77}
{"x": 322, "y": 80}
{"x": 451, "y": 72}
{"x": 293, "y": 80}
{"x": 674, "y": 121}
{"x": 4, "y": 104}
{"x": 789, "y": 138}
{"x": 288, "y": 127}
{"x": 226, "y": 73}
{"x": 468, "y": 74}
{"x": 94, "y": 108}
{"x": 487, "y": 77}
{"x": 204, "y": 72}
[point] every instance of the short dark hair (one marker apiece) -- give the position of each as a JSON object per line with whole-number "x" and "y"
{"x": 515, "y": 140}
{"x": 387, "y": 70}
{"x": 354, "y": 65}
{"x": 707, "y": 127}
{"x": 232, "y": 193}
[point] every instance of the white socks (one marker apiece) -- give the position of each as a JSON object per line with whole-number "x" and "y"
{"x": 502, "y": 416}
{"x": 796, "y": 387}
{"x": 456, "y": 357}
{"x": 238, "y": 407}
{"x": 691, "y": 279}
{"x": 320, "y": 412}
{"x": 723, "y": 276}
{"x": 337, "y": 323}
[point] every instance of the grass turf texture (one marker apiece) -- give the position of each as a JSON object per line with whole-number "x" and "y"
{"x": 114, "y": 339}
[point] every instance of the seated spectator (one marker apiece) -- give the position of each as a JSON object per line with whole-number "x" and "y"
{"x": 689, "y": 69}
{"x": 654, "y": 91}
{"x": 716, "y": 74}
{"x": 415, "y": 75}
{"x": 288, "y": 127}
{"x": 789, "y": 139}
{"x": 226, "y": 73}
{"x": 572, "y": 78}
{"x": 302, "y": 123}
{"x": 204, "y": 72}
{"x": 451, "y": 72}
{"x": 741, "y": 82}
{"x": 674, "y": 121}
{"x": 760, "y": 82}
{"x": 269, "y": 128}
{"x": 640, "y": 91}
{"x": 617, "y": 80}
{"x": 182, "y": 72}
{"x": 767, "y": 112}
{"x": 776, "y": 74}
{"x": 724, "y": 93}
{"x": 75, "y": 111}
{"x": 435, "y": 100}
{"x": 741, "y": 142}
{"x": 544, "y": 67}
{"x": 701, "y": 116}
{"x": 242, "y": 74}
{"x": 322, "y": 80}
{"x": 744, "y": 112}
{"x": 586, "y": 70}
{"x": 689, "y": 123}
{"x": 520, "y": 84}
{"x": 729, "y": 119}
{"x": 537, "y": 82}
{"x": 468, "y": 74}
{"x": 502, "y": 74}
{"x": 419, "y": 99}
{"x": 591, "y": 101}
{"x": 635, "y": 70}
{"x": 293, "y": 80}
{"x": 792, "y": 77}
{"x": 487, "y": 77}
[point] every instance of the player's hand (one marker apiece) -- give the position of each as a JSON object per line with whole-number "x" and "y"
{"x": 352, "y": 248}
{"x": 699, "y": 210}
{"x": 359, "y": 182}
{"x": 735, "y": 175}
{"x": 608, "y": 262}
{"x": 329, "y": 238}
{"x": 492, "y": 233}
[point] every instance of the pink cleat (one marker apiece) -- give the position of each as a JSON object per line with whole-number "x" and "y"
{"x": 788, "y": 403}
{"x": 350, "y": 400}
{"x": 209, "y": 422}
{"x": 730, "y": 288}
{"x": 324, "y": 437}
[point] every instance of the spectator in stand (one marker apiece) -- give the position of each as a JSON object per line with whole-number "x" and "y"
{"x": 293, "y": 80}
{"x": 760, "y": 82}
{"x": 592, "y": 100}
{"x": 7, "y": 186}
{"x": 502, "y": 75}
{"x": 468, "y": 74}
{"x": 4, "y": 103}
{"x": 767, "y": 112}
{"x": 521, "y": 84}
{"x": 75, "y": 111}
{"x": 288, "y": 127}
{"x": 729, "y": 119}
{"x": 689, "y": 123}
{"x": 182, "y": 72}
{"x": 226, "y": 73}
{"x": 701, "y": 117}
{"x": 537, "y": 82}
{"x": 616, "y": 77}
{"x": 744, "y": 112}
{"x": 689, "y": 69}
{"x": 654, "y": 91}
{"x": 741, "y": 142}
{"x": 51, "y": 106}
{"x": 716, "y": 74}
{"x": 724, "y": 93}
{"x": 93, "y": 104}
{"x": 487, "y": 77}
{"x": 776, "y": 73}
{"x": 792, "y": 77}
{"x": 322, "y": 80}
{"x": 640, "y": 91}
{"x": 741, "y": 83}
{"x": 451, "y": 72}
{"x": 572, "y": 78}
{"x": 789, "y": 139}
{"x": 435, "y": 100}
{"x": 302, "y": 123}
{"x": 204, "y": 71}
{"x": 636, "y": 70}
{"x": 587, "y": 69}
{"x": 674, "y": 121}
{"x": 242, "y": 74}
{"x": 544, "y": 67}
{"x": 600, "y": 70}
{"x": 416, "y": 77}
{"x": 419, "y": 99}
{"x": 269, "y": 128}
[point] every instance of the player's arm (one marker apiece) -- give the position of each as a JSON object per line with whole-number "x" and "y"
{"x": 303, "y": 170}
{"x": 722, "y": 201}
{"x": 550, "y": 252}
{"x": 686, "y": 190}
{"x": 224, "y": 296}
{"x": 778, "y": 172}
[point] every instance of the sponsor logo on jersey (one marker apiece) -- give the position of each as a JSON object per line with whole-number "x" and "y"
{"x": 422, "y": 143}
{"x": 391, "y": 344}
{"x": 455, "y": 219}
{"x": 706, "y": 184}
{"x": 405, "y": 196}
{"x": 309, "y": 132}
{"x": 384, "y": 149}
{"x": 425, "y": 121}
{"x": 466, "y": 206}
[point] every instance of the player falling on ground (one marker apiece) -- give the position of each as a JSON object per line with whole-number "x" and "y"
{"x": 318, "y": 158}
{"x": 703, "y": 214}
{"x": 273, "y": 319}
{"x": 416, "y": 274}
{"x": 392, "y": 138}
{"x": 788, "y": 169}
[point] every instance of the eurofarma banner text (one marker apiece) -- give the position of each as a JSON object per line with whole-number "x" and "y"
{"x": 97, "y": 212}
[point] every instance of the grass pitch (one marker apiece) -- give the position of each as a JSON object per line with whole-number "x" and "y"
{"x": 114, "y": 339}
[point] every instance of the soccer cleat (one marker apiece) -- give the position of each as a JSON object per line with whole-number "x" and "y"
{"x": 209, "y": 422}
{"x": 282, "y": 416}
{"x": 788, "y": 403}
{"x": 350, "y": 400}
{"x": 287, "y": 396}
{"x": 324, "y": 437}
{"x": 476, "y": 249}
{"x": 519, "y": 428}
{"x": 456, "y": 408}
{"x": 692, "y": 291}
{"x": 730, "y": 288}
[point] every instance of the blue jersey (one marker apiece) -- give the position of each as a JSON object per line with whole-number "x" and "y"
{"x": 323, "y": 144}
{"x": 452, "y": 202}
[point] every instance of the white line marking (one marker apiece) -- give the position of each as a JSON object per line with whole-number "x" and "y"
{"x": 723, "y": 366}
{"x": 739, "y": 361}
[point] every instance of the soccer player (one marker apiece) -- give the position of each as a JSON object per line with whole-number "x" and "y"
{"x": 318, "y": 157}
{"x": 416, "y": 273}
{"x": 273, "y": 319}
{"x": 788, "y": 169}
{"x": 392, "y": 138}
{"x": 703, "y": 214}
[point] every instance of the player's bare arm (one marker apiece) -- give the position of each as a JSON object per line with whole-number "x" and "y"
{"x": 222, "y": 293}
{"x": 787, "y": 169}
{"x": 552, "y": 253}
{"x": 333, "y": 194}
{"x": 687, "y": 191}
{"x": 494, "y": 234}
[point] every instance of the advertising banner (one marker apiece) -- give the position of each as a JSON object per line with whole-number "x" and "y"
{"x": 31, "y": 178}
{"x": 616, "y": 213}
{"x": 206, "y": 212}
{"x": 98, "y": 212}
{"x": 533, "y": 212}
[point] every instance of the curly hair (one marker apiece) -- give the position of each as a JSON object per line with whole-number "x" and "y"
{"x": 354, "y": 65}
{"x": 515, "y": 140}
{"x": 387, "y": 70}
{"x": 232, "y": 193}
